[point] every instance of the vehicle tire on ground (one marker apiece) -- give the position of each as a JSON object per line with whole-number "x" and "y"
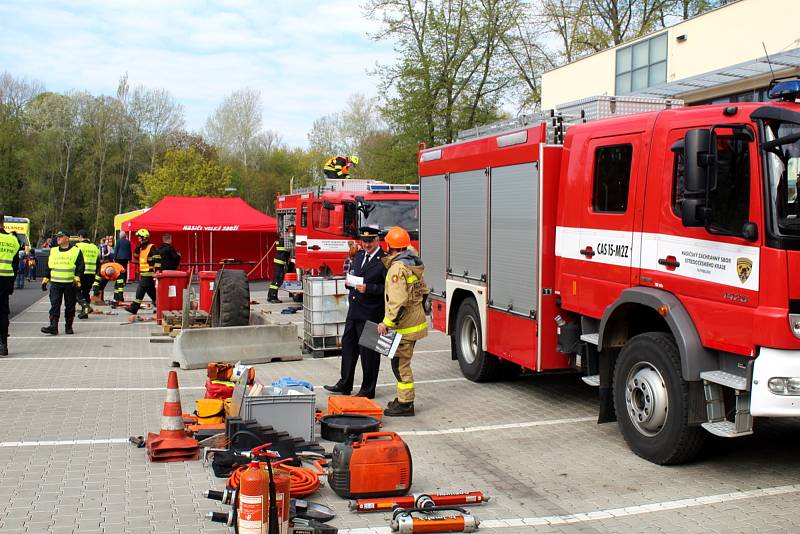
{"x": 651, "y": 400}
{"x": 231, "y": 304}
{"x": 475, "y": 363}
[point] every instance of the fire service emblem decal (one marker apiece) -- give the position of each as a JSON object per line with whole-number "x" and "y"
{"x": 744, "y": 267}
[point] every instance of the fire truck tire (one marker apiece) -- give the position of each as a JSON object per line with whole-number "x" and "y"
{"x": 652, "y": 401}
{"x": 231, "y": 307}
{"x": 475, "y": 363}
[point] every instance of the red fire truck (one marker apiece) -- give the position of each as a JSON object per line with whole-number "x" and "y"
{"x": 320, "y": 224}
{"x": 656, "y": 253}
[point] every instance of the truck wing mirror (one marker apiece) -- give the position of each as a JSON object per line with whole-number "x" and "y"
{"x": 700, "y": 167}
{"x": 700, "y": 156}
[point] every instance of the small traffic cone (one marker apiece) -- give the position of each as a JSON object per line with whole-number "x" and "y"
{"x": 172, "y": 444}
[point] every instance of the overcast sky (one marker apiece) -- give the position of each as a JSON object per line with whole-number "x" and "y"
{"x": 304, "y": 56}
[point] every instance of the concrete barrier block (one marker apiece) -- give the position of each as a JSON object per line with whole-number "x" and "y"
{"x": 195, "y": 348}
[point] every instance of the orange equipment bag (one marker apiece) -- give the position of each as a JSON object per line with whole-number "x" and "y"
{"x": 210, "y": 411}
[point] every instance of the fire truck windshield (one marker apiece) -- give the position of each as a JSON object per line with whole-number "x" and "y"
{"x": 384, "y": 214}
{"x": 782, "y": 147}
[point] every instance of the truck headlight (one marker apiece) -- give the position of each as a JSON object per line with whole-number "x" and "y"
{"x": 794, "y": 323}
{"x": 780, "y": 385}
{"x": 793, "y": 386}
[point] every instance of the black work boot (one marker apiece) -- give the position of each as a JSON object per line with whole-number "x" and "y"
{"x": 133, "y": 308}
{"x": 53, "y": 328}
{"x": 399, "y": 409}
{"x": 3, "y": 347}
{"x": 68, "y": 326}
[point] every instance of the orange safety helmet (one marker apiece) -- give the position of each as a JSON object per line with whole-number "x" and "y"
{"x": 397, "y": 237}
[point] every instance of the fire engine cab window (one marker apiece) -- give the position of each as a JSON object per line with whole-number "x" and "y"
{"x": 612, "y": 175}
{"x": 320, "y": 217}
{"x": 730, "y": 199}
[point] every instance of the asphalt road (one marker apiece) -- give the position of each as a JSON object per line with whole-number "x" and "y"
{"x": 22, "y": 298}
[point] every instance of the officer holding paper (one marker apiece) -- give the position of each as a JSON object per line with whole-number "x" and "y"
{"x": 367, "y": 275}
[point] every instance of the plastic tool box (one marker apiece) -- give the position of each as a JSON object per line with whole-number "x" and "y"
{"x": 290, "y": 409}
{"x": 354, "y": 405}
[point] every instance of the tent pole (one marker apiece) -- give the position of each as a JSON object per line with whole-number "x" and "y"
{"x": 211, "y": 246}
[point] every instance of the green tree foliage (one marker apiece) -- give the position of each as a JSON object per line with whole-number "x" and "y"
{"x": 184, "y": 172}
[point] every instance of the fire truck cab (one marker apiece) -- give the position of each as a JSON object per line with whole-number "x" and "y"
{"x": 656, "y": 253}
{"x": 320, "y": 225}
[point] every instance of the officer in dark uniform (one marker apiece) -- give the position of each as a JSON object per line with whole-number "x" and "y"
{"x": 365, "y": 304}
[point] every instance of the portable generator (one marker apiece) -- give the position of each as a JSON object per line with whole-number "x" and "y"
{"x": 375, "y": 464}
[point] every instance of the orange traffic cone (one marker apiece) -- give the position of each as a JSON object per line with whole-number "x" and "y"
{"x": 172, "y": 444}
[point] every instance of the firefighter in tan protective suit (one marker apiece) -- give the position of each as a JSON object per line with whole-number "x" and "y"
{"x": 405, "y": 292}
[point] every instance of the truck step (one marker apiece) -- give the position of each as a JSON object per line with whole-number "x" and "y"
{"x": 592, "y": 380}
{"x": 725, "y": 429}
{"x": 726, "y": 379}
{"x": 593, "y": 339}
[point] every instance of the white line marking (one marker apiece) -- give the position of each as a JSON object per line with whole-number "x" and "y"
{"x": 613, "y": 513}
{"x": 435, "y": 381}
{"x": 486, "y": 428}
{"x": 60, "y": 443}
{"x": 60, "y": 337}
{"x": 75, "y": 390}
{"x": 121, "y": 358}
{"x": 159, "y": 388}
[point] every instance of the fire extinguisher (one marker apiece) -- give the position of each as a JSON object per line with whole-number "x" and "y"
{"x": 263, "y": 497}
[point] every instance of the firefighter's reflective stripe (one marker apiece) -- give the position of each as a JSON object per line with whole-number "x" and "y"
{"x": 279, "y": 262}
{"x": 412, "y": 329}
{"x": 90, "y": 253}
{"x": 411, "y": 279}
{"x": 388, "y": 322}
{"x": 62, "y": 264}
{"x": 9, "y": 246}
{"x": 273, "y": 286}
{"x": 405, "y": 385}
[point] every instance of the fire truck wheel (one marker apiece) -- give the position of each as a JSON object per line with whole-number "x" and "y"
{"x": 475, "y": 364}
{"x": 652, "y": 400}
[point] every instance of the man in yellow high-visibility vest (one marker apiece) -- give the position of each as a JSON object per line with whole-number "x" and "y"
{"x": 9, "y": 265}
{"x": 65, "y": 267}
{"x": 91, "y": 259}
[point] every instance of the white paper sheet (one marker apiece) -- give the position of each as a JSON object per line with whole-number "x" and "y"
{"x": 353, "y": 281}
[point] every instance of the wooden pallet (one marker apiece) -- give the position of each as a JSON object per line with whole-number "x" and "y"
{"x": 171, "y": 321}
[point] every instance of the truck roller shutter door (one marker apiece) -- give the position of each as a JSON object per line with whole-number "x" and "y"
{"x": 433, "y": 231}
{"x": 514, "y": 264}
{"x": 468, "y": 220}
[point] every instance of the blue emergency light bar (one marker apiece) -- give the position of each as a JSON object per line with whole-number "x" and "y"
{"x": 391, "y": 188}
{"x": 786, "y": 91}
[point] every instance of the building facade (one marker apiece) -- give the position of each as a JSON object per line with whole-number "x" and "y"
{"x": 714, "y": 57}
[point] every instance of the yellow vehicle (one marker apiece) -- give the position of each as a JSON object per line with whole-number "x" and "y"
{"x": 22, "y": 226}
{"x": 122, "y": 217}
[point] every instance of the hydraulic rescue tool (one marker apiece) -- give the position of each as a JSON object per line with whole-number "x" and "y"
{"x": 418, "y": 500}
{"x": 376, "y": 464}
{"x": 405, "y": 521}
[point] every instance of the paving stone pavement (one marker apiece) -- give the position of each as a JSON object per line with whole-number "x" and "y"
{"x": 531, "y": 443}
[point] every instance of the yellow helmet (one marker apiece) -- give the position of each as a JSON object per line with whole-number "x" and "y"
{"x": 143, "y": 233}
{"x": 355, "y": 159}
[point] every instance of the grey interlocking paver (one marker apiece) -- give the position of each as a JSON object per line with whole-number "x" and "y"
{"x": 530, "y": 472}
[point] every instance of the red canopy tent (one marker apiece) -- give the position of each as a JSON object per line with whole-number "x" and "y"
{"x": 207, "y": 230}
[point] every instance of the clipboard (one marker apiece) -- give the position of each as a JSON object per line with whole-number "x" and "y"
{"x": 386, "y": 345}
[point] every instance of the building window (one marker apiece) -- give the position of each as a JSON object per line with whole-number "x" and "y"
{"x": 642, "y": 65}
{"x": 612, "y": 174}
